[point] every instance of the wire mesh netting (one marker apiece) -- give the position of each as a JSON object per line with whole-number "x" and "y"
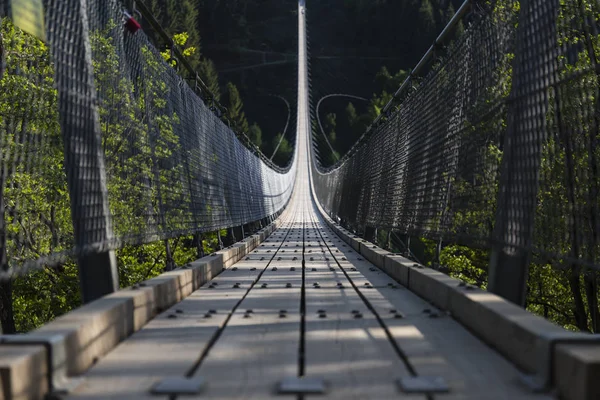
{"x": 495, "y": 146}
{"x": 104, "y": 144}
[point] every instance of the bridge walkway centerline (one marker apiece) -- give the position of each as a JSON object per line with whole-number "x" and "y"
{"x": 303, "y": 303}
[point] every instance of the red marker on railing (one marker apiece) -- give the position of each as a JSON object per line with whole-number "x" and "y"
{"x": 130, "y": 23}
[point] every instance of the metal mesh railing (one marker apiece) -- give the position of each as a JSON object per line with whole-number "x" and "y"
{"x": 495, "y": 148}
{"x": 104, "y": 144}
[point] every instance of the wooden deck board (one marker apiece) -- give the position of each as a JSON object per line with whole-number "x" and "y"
{"x": 350, "y": 354}
{"x": 253, "y": 353}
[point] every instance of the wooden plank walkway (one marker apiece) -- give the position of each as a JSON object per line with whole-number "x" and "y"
{"x": 303, "y": 303}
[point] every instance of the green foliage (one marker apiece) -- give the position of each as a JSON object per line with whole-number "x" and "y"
{"x": 210, "y": 77}
{"x": 235, "y": 109}
{"x": 180, "y": 40}
{"x": 38, "y": 220}
{"x": 37, "y": 217}
{"x": 255, "y": 134}
{"x": 284, "y": 153}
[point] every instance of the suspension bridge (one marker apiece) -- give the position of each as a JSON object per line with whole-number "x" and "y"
{"x": 308, "y": 303}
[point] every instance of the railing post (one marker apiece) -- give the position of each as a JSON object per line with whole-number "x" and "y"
{"x": 534, "y": 68}
{"x": 84, "y": 156}
{"x": 219, "y": 239}
{"x": 198, "y": 238}
{"x": 169, "y": 260}
{"x": 370, "y": 234}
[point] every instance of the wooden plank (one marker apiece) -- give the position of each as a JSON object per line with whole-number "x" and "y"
{"x": 434, "y": 343}
{"x": 259, "y": 346}
{"x": 351, "y": 355}
{"x": 251, "y": 356}
{"x": 165, "y": 347}
{"x": 170, "y": 344}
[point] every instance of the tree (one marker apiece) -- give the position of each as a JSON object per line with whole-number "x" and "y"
{"x": 209, "y": 75}
{"x": 284, "y": 152}
{"x": 34, "y": 197}
{"x": 255, "y": 134}
{"x": 235, "y": 110}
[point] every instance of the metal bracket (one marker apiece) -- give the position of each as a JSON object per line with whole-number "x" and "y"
{"x": 423, "y": 384}
{"x": 541, "y": 380}
{"x": 58, "y": 382}
{"x": 301, "y": 385}
{"x": 178, "y": 385}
